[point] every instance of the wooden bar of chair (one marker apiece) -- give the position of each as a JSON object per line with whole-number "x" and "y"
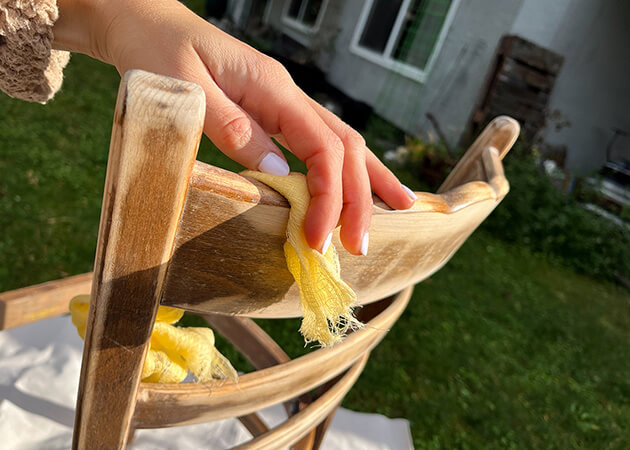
{"x": 177, "y": 232}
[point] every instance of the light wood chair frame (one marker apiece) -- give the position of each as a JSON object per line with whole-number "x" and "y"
{"x": 171, "y": 232}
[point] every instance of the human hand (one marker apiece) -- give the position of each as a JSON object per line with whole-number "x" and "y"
{"x": 249, "y": 97}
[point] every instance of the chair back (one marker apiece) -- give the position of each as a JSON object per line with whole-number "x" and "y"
{"x": 177, "y": 232}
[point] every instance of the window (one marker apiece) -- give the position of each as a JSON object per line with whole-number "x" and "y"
{"x": 304, "y": 15}
{"x": 403, "y": 35}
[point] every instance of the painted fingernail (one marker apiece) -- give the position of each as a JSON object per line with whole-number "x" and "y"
{"x": 364, "y": 243}
{"x": 273, "y": 165}
{"x": 326, "y": 244}
{"x": 410, "y": 193}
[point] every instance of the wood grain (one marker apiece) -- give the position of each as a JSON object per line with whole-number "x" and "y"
{"x": 501, "y": 134}
{"x": 156, "y": 132}
{"x": 41, "y": 301}
{"x": 300, "y": 424}
{"x": 164, "y": 405}
{"x": 229, "y": 259}
{"x": 229, "y": 218}
{"x": 494, "y": 171}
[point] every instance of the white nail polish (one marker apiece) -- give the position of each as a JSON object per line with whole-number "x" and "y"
{"x": 410, "y": 193}
{"x": 365, "y": 243}
{"x": 273, "y": 165}
{"x": 326, "y": 244}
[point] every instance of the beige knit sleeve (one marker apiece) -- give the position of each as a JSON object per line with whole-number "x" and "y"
{"x": 29, "y": 68}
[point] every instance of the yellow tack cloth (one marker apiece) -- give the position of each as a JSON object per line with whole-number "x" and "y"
{"x": 327, "y": 301}
{"x": 173, "y": 351}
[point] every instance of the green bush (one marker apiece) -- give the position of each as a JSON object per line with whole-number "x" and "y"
{"x": 536, "y": 214}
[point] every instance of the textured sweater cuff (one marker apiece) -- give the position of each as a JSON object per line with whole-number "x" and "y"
{"x": 29, "y": 68}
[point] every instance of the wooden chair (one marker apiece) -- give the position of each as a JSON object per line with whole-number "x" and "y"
{"x": 177, "y": 232}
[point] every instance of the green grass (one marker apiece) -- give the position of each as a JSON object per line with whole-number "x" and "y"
{"x": 501, "y": 349}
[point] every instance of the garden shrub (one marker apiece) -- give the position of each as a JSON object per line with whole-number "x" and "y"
{"x": 537, "y": 215}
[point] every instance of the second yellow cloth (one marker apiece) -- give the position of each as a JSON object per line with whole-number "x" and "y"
{"x": 327, "y": 301}
{"x": 173, "y": 351}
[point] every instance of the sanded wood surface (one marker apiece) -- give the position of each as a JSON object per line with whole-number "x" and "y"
{"x": 41, "y": 301}
{"x": 254, "y": 424}
{"x": 156, "y": 132}
{"x": 161, "y": 405}
{"x": 501, "y": 134}
{"x": 228, "y": 219}
{"x": 229, "y": 258}
{"x": 300, "y": 424}
{"x": 494, "y": 171}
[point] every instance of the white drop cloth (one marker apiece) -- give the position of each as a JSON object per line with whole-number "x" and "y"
{"x": 39, "y": 373}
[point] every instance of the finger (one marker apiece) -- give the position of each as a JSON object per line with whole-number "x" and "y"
{"x": 386, "y": 185}
{"x": 382, "y": 181}
{"x": 237, "y": 135}
{"x": 357, "y": 200}
{"x": 271, "y": 97}
{"x": 357, "y": 195}
{"x": 286, "y": 112}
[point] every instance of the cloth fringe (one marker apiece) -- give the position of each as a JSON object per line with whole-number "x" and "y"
{"x": 327, "y": 301}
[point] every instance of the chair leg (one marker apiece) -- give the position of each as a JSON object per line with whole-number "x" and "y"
{"x": 321, "y": 429}
{"x": 131, "y": 434}
{"x": 254, "y": 424}
{"x": 157, "y": 127}
{"x": 113, "y": 356}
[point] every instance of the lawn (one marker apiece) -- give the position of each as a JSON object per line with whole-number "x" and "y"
{"x": 500, "y": 349}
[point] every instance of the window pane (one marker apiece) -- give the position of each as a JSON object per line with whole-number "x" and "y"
{"x": 379, "y": 24}
{"x": 420, "y": 31}
{"x": 311, "y": 12}
{"x": 294, "y": 8}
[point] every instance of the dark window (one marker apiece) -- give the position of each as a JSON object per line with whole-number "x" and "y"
{"x": 305, "y": 11}
{"x": 421, "y": 31}
{"x": 379, "y": 24}
{"x": 311, "y": 11}
{"x": 420, "y": 28}
{"x": 294, "y": 8}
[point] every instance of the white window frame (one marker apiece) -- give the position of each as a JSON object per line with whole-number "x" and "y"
{"x": 298, "y": 24}
{"x": 385, "y": 59}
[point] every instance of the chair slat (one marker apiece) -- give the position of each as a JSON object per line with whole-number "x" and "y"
{"x": 229, "y": 257}
{"x": 300, "y": 424}
{"x": 163, "y": 405}
{"x": 41, "y": 301}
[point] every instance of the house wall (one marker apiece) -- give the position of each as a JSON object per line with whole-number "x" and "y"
{"x": 592, "y": 90}
{"x": 321, "y": 39}
{"x": 454, "y": 82}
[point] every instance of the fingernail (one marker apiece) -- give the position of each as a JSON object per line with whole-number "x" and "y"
{"x": 364, "y": 243}
{"x": 326, "y": 244}
{"x": 410, "y": 193}
{"x": 273, "y": 165}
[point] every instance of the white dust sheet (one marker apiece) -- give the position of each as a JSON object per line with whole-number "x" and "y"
{"x": 39, "y": 373}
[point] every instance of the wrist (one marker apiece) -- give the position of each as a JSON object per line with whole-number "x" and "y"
{"x": 81, "y": 27}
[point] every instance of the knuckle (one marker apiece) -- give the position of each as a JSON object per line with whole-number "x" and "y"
{"x": 336, "y": 148}
{"x": 274, "y": 70}
{"x": 236, "y": 133}
{"x": 331, "y": 152}
{"x": 352, "y": 138}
